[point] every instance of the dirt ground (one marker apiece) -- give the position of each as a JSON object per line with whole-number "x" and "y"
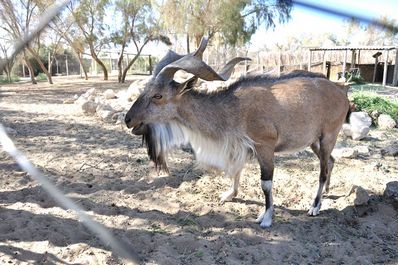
{"x": 177, "y": 219}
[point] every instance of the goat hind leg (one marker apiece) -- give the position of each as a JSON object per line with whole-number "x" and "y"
{"x": 316, "y": 149}
{"x": 233, "y": 190}
{"x": 326, "y": 161}
{"x": 267, "y": 172}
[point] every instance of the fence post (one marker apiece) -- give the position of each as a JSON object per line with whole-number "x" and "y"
{"x": 150, "y": 65}
{"x": 385, "y": 67}
{"x": 395, "y": 76}
{"x": 309, "y": 61}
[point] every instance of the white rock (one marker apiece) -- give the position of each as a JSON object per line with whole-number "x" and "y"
{"x": 347, "y": 129}
{"x": 386, "y": 122}
{"x": 134, "y": 90}
{"x": 362, "y": 149}
{"x": 11, "y": 131}
{"x": 69, "y": 101}
{"x": 359, "y": 133}
{"x": 118, "y": 117}
{"x": 90, "y": 92}
{"x": 109, "y": 94}
{"x": 344, "y": 152}
{"x": 360, "y": 119}
{"x": 105, "y": 112}
{"x": 358, "y": 195}
{"x": 359, "y": 125}
{"x": 89, "y": 107}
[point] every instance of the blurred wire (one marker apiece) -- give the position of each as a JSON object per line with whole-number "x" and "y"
{"x": 342, "y": 14}
{"x": 43, "y": 23}
{"x": 96, "y": 228}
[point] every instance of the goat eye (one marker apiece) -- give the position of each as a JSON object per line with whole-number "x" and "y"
{"x": 157, "y": 96}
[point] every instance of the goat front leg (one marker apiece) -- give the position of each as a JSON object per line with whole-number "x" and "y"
{"x": 233, "y": 191}
{"x": 267, "y": 173}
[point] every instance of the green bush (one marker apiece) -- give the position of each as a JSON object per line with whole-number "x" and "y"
{"x": 14, "y": 78}
{"x": 41, "y": 77}
{"x": 370, "y": 102}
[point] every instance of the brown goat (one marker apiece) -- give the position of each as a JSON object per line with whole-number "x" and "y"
{"x": 255, "y": 115}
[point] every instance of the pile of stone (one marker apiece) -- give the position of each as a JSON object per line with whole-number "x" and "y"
{"x": 360, "y": 122}
{"x": 109, "y": 106}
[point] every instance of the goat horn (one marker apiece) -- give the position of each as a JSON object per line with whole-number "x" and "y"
{"x": 167, "y": 59}
{"x": 202, "y": 47}
{"x": 171, "y": 56}
{"x": 226, "y": 71}
{"x": 192, "y": 65}
{"x": 197, "y": 67}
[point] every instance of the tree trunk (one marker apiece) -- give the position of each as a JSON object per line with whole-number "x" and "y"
{"x": 101, "y": 64}
{"x": 123, "y": 79}
{"x": 80, "y": 58}
{"x": 120, "y": 65}
{"x": 40, "y": 62}
{"x": 188, "y": 51}
{"x": 30, "y": 68}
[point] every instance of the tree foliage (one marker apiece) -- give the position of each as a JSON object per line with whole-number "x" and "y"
{"x": 18, "y": 18}
{"x": 89, "y": 17}
{"x": 138, "y": 27}
{"x": 234, "y": 20}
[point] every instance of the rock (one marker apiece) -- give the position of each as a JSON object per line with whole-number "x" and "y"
{"x": 359, "y": 119}
{"x": 88, "y": 96}
{"x": 109, "y": 94}
{"x": 69, "y": 101}
{"x": 391, "y": 190}
{"x": 344, "y": 152}
{"x": 89, "y": 107}
{"x": 358, "y": 127}
{"x": 386, "y": 122}
{"x": 358, "y": 196}
{"x": 362, "y": 149}
{"x": 390, "y": 150}
{"x": 136, "y": 88}
{"x": 118, "y": 117}
{"x": 105, "y": 112}
{"x": 346, "y": 129}
{"x": 11, "y": 131}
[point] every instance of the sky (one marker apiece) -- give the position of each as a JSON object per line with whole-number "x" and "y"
{"x": 311, "y": 22}
{"x": 315, "y": 22}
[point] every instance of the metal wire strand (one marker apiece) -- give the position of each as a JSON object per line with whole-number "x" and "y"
{"x": 96, "y": 228}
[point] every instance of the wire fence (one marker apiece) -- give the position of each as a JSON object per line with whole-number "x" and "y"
{"x": 95, "y": 227}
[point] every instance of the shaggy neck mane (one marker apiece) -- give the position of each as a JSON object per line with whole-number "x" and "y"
{"x": 228, "y": 153}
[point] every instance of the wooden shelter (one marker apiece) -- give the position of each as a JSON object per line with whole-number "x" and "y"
{"x": 356, "y": 59}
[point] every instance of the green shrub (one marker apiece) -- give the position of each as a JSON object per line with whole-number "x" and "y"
{"x": 370, "y": 102}
{"x": 14, "y": 78}
{"x": 41, "y": 77}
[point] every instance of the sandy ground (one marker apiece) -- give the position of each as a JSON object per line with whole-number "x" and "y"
{"x": 177, "y": 219}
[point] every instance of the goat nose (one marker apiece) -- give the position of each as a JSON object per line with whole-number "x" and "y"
{"x": 127, "y": 119}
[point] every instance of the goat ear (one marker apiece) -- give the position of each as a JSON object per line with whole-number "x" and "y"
{"x": 187, "y": 85}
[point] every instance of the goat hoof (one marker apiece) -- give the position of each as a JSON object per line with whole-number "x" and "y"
{"x": 265, "y": 218}
{"x": 227, "y": 196}
{"x": 314, "y": 211}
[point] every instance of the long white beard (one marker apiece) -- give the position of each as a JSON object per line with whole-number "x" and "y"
{"x": 228, "y": 153}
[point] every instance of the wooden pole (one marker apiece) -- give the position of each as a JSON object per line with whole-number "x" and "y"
{"x": 309, "y": 61}
{"x": 279, "y": 64}
{"x": 375, "y": 69}
{"x": 345, "y": 63}
{"x": 324, "y": 63}
{"x": 395, "y": 76}
{"x": 66, "y": 65}
{"x": 385, "y": 67}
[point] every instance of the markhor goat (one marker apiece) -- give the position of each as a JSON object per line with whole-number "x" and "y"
{"x": 256, "y": 116}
